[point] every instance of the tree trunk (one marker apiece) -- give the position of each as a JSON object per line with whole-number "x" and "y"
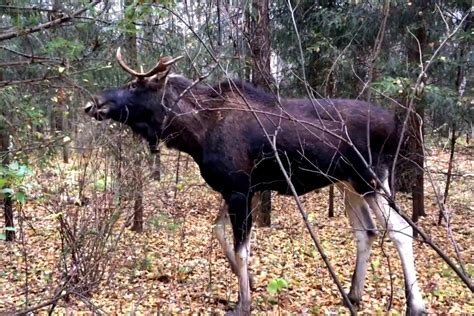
{"x": 460, "y": 88}
{"x": 418, "y": 159}
{"x": 414, "y": 49}
{"x": 376, "y": 51}
{"x": 154, "y": 159}
{"x": 4, "y": 160}
{"x": 59, "y": 120}
{"x": 331, "y": 201}
{"x": 137, "y": 183}
{"x": 219, "y": 24}
{"x": 330, "y": 93}
{"x": 137, "y": 225}
{"x": 7, "y": 200}
{"x": 259, "y": 42}
{"x": 9, "y": 223}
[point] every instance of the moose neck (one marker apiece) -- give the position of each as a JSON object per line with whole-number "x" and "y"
{"x": 186, "y": 123}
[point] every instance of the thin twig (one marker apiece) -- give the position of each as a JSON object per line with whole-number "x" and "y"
{"x": 417, "y": 88}
{"x": 47, "y": 25}
{"x": 310, "y": 229}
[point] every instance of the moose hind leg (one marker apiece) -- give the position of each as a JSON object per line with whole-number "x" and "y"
{"x": 241, "y": 219}
{"x": 364, "y": 230}
{"x": 402, "y": 235}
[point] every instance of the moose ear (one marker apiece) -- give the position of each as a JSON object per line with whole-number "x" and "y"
{"x": 161, "y": 76}
{"x": 166, "y": 62}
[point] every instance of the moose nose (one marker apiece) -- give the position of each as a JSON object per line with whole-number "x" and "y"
{"x": 89, "y": 106}
{"x": 92, "y": 105}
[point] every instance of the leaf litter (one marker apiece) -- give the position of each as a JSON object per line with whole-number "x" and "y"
{"x": 176, "y": 265}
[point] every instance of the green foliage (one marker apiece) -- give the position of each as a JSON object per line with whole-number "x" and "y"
{"x": 146, "y": 263}
{"x": 338, "y": 39}
{"x": 67, "y": 47}
{"x": 100, "y": 184}
{"x": 162, "y": 221}
{"x": 394, "y": 87}
{"x": 276, "y": 285}
{"x": 435, "y": 98}
{"x": 3, "y": 236}
{"x": 12, "y": 178}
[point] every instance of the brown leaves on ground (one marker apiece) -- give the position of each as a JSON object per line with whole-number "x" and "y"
{"x": 177, "y": 265}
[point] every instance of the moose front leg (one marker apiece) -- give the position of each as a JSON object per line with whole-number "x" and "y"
{"x": 219, "y": 230}
{"x": 241, "y": 219}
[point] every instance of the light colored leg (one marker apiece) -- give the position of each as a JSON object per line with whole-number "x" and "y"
{"x": 219, "y": 230}
{"x": 402, "y": 235}
{"x": 364, "y": 230}
{"x": 242, "y": 260}
{"x": 241, "y": 219}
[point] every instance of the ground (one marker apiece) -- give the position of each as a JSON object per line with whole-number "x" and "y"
{"x": 176, "y": 265}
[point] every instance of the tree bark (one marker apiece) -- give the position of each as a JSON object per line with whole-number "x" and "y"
{"x": 58, "y": 120}
{"x": 376, "y": 51}
{"x": 418, "y": 159}
{"x": 137, "y": 183}
{"x": 219, "y": 24}
{"x": 137, "y": 225}
{"x": 415, "y": 48}
{"x": 4, "y": 160}
{"x": 7, "y": 200}
{"x": 259, "y": 42}
{"x": 330, "y": 93}
{"x": 9, "y": 223}
{"x": 154, "y": 159}
{"x": 331, "y": 201}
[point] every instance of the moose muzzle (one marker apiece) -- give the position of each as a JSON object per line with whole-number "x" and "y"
{"x": 97, "y": 109}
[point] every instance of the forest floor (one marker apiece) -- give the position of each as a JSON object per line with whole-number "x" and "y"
{"x": 176, "y": 265}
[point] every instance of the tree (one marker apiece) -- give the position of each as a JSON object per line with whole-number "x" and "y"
{"x": 55, "y": 54}
{"x": 137, "y": 172}
{"x": 260, "y": 52}
{"x": 416, "y": 46}
{"x": 4, "y": 161}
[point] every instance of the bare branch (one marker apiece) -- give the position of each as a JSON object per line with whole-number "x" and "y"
{"x": 44, "y": 26}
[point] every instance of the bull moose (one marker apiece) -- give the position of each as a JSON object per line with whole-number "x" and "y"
{"x": 235, "y": 133}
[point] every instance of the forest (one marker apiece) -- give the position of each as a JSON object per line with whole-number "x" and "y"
{"x": 96, "y": 219}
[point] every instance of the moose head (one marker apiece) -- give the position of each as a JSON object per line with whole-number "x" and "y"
{"x": 139, "y": 103}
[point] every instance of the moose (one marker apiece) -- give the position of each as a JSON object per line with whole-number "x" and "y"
{"x": 245, "y": 140}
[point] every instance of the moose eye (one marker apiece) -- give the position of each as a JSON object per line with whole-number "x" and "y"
{"x": 133, "y": 86}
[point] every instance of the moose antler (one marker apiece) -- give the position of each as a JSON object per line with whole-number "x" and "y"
{"x": 161, "y": 66}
